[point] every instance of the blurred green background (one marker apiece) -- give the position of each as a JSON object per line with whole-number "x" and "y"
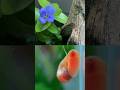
{"x": 47, "y": 59}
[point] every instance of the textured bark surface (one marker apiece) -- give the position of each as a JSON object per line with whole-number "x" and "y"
{"x": 76, "y": 16}
{"x": 102, "y": 22}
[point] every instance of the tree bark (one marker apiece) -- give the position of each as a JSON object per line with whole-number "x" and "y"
{"x": 102, "y": 22}
{"x": 77, "y": 18}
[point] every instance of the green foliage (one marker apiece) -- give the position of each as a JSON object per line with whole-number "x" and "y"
{"x": 52, "y": 30}
{"x": 47, "y": 37}
{"x": 58, "y": 10}
{"x": 36, "y": 14}
{"x": 61, "y": 18}
{"x": 39, "y": 27}
{"x": 43, "y": 3}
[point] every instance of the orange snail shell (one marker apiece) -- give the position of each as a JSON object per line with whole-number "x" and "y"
{"x": 69, "y": 66}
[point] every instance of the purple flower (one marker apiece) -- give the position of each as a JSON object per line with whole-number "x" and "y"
{"x": 47, "y": 14}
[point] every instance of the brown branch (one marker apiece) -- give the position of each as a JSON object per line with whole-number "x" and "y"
{"x": 76, "y": 17}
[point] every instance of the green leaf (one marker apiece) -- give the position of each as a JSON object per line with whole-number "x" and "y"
{"x": 58, "y": 9}
{"x": 62, "y": 18}
{"x": 38, "y": 27}
{"x": 41, "y": 27}
{"x": 45, "y": 37}
{"x": 36, "y": 14}
{"x": 46, "y": 26}
{"x": 53, "y": 29}
{"x": 59, "y": 37}
{"x": 43, "y": 3}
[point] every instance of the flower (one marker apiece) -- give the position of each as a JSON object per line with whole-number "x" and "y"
{"x": 47, "y": 14}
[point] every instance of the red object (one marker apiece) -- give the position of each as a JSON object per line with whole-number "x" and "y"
{"x": 95, "y": 74}
{"x": 69, "y": 66}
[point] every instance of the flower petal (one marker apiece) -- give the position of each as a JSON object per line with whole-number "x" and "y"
{"x": 50, "y": 10}
{"x": 50, "y": 19}
{"x": 43, "y": 12}
{"x": 42, "y": 20}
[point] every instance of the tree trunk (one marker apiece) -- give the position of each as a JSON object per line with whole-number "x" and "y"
{"x": 102, "y": 22}
{"x": 77, "y": 19}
